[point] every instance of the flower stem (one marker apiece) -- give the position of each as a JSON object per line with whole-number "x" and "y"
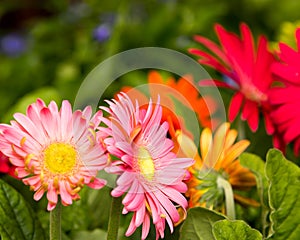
{"x": 114, "y": 218}
{"x": 241, "y": 129}
{"x": 55, "y": 222}
{"x": 229, "y": 198}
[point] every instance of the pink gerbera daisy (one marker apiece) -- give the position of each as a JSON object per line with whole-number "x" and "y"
{"x": 149, "y": 172}
{"x": 285, "y": 99}
{"x": 55, "y": 151}
{"x": 247, "y": 70}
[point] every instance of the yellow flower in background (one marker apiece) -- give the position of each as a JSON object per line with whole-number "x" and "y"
{"x": 217, "y": 173}
{"x": 286, "y": 34}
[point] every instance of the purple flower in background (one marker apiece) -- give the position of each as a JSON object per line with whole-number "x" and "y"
{"x": 102, "y": 32}
{"x": 13, "y": 44}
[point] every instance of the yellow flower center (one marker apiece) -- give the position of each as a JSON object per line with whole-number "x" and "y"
{"x": 145, "y": 163}
{"x": 60, "y": 158}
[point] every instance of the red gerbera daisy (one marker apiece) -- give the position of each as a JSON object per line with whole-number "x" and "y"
{"x": 285, "y": 99}
{"x": 248, "y": 69}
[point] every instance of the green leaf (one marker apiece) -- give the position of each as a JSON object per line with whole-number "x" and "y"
{"x": 284, "y": 195}
{"x": 198, "y": 224}
{"x": 232, "y": 230}
{"x": 17, "y": 219}
{"x": 257, "y": 166}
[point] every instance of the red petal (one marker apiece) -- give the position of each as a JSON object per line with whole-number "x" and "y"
{"x": 262, "y": 77}
{"x": 248, "y": 49}
{"x": 287, "y": 53}
{"x": 231, "y": 43}
{"x": 235, "y": 106}
{"x": 212, "y": 47}
{"x": 269, "y": 124}
{"x": 247, "y": 109}
{"x": 211, "y": 61}
{"x": 253, "y": 119}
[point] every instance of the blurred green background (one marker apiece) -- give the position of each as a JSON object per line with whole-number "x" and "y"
{"x": 48, "y": 47}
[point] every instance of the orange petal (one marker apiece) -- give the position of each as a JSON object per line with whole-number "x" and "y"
{"x": 234, "y": 152}
{"x": 230, "y": 138}
{"x": 218, "y": 143}
{"x": 205, "y": 143}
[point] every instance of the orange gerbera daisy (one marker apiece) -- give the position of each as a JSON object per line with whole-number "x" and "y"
{"x": 217, "y": 173}
{"x": 171, "y": 92}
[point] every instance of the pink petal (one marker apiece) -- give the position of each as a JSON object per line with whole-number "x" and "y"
{"x": 51, "y": 206}
{"x": 131, "y": 229}
{"x": 34, "y": 116}
{"x": 49, "y": 123}
{"x": 38, "y": 194}
{"x": 66, "y": 121}
{"x": 79, "y": 125}
{"x": 51, "y": 194}
{"x": 146, "y": 226}
{"x": 126, "y": 178}
{"x": 138, "y": 200}
{"x": 32, "y": 180}
{"x": 97, "y": 183}
{"x": 167, "y": 205}
{"x": 64, "y": 194}
{"x": 125, "y": 147}
{"x": 87, "y": 112}
{"x": 154, "y": 205}
{"x": 133, "y": 193}
{"x": 21, "y": 172}
{"x": 140, "y": 215}
{"x": 175, "y": 196}
{"x": 119, "y": 190}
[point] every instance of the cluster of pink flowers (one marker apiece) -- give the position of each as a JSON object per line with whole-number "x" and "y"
{"x": 264, "y": 82}
{"x": 57, "y": 152}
